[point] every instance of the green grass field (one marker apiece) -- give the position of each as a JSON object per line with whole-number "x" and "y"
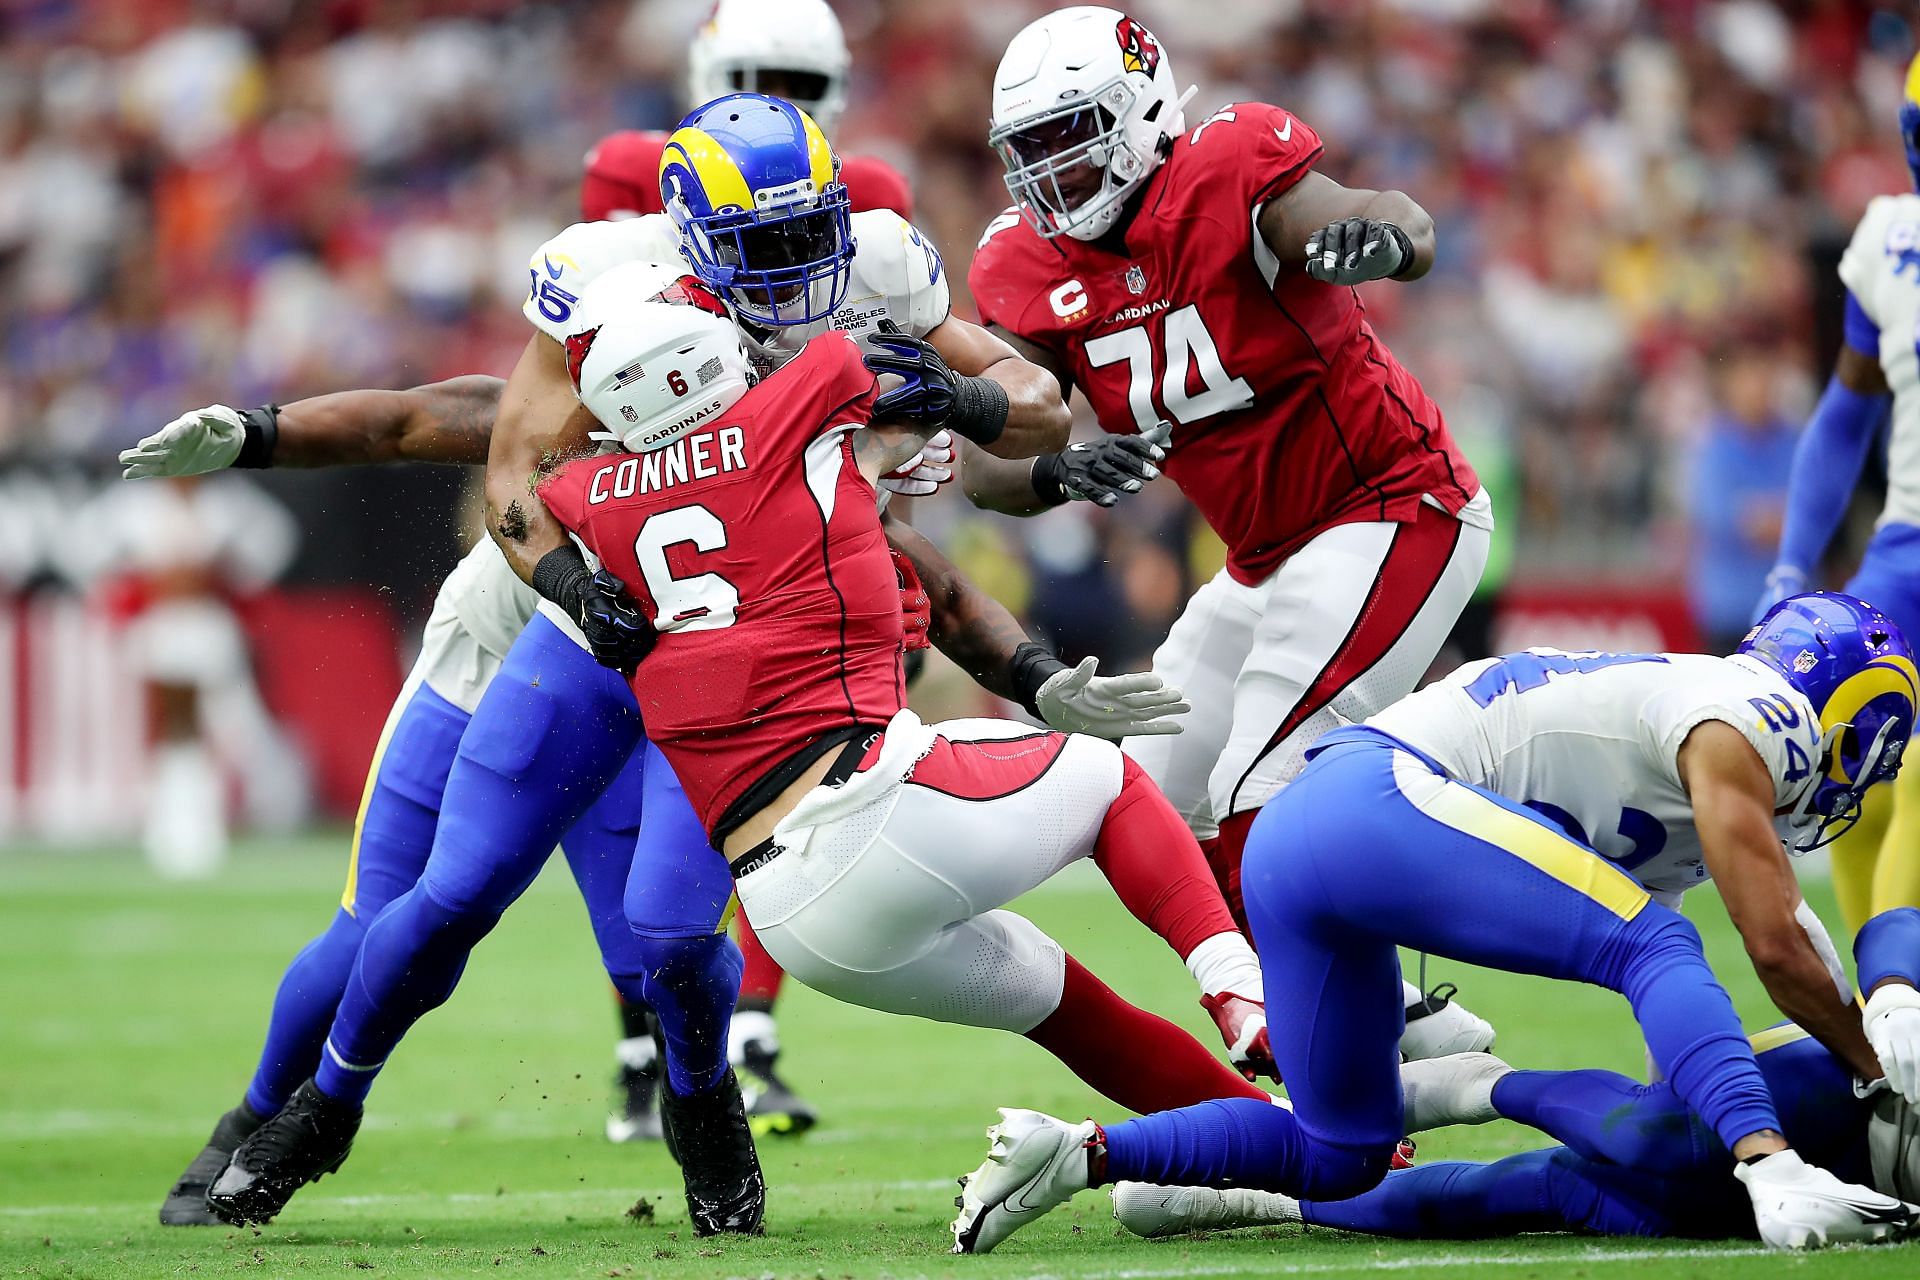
{"x": 133, "y": 1010}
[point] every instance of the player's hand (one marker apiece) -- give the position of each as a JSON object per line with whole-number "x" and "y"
{"x": 1355, "y": 250}
{"x": 926, "y": 394}
{"x": 1102, "y": 471}
{"x": 1892, "y": 1020}
{"x": 1784, "y": 581}
{"x": 192, "y": 444}
{"x": 916, "y": 609}
{"x": 924, "y": 473}
{"x": 618, "y": 632}
{"x": 1080, "y": 700}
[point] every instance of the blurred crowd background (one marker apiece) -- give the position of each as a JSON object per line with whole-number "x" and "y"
{"x": 1640, "y": 206}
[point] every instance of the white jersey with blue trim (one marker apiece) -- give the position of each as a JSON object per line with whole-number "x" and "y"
{"x": 1881, "y": 268}
{"x": 897, "y": 275}
{"x": 1592, "y": 740}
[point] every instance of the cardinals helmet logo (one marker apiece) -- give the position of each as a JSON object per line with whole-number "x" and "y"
{"x": 577, "y": 347}
{"x": 688, "y": 291}
{"x": 1139, "y": 51}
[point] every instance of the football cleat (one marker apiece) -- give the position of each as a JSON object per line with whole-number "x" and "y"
{"x": 186, "y": 1203}
{"x": 636, "y": 1113}
{"x": 303, "y": 1142}
{"x": 1243, "y": 1025}
{"x": 1034, "y": 1163}
{"x": 1456, "y": 1089}
{"x": 726, "y": 1192}
{"x": 772, "y": 1107}
{"x": 1799, "y": 1206}
{"x": 1437, "y": 1026}
{"x": 1157, "y": 1212}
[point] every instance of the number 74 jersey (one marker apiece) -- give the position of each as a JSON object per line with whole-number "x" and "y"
{"x": 1592, "y": 741}
{"x": 1290, "y": 415}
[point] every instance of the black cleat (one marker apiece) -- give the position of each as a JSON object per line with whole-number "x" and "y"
{"x": 186, "y": 1204}
{"x": 306, "y": 1140}
{"x": 636, "y": 1113}
{"x": 773, "y": 1108}
{"x": 725, "y": 1190}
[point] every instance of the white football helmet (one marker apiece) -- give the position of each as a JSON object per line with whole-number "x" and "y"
{"x": 654, "y": 353}
{"x": 1084, "y": 106}
{"x": 747, "y": 43}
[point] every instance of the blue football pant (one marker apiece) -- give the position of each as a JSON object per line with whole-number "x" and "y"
{"x": 1370, "y": 849}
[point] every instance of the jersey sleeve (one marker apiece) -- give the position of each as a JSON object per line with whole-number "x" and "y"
{"x": 564, "y": 491}
{"x": 1779, "y": 725}
{"x": 1003, "y": 278}
{"x": 562, "y": 268}
{"x": 1263, "y": 149}
{"x": 901, "y": 264}
{"x": 828, "y": 384}
{"x": 1860, "y": 264}
{"x": 622, "y": 178}
{"x": 872, "y": 183}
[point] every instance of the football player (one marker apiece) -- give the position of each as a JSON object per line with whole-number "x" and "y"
{"x": 874, "y": 853}
{"x": 1521, "y": 814}
{"x": 792, "y": 49}
{"x": 1200, "y": 274}
{"x": 1876, "y": 866}
{"x": 1636, "y": 1162}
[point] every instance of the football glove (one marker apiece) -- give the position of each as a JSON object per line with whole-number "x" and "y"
{"x": 1356, "y": 250}
{"x": 599, "y": 604}
{"x": 1892, "y": 1019}
{"x": 192, "y": 444}
{"x": 1080, "y": 700}
{"x": 924, "y": 473}
{"x": 916, "y": 609}
{"x": 1784, "y": 581}
{"x": 926, "y": 393}
{"x": 1102, "y": 471}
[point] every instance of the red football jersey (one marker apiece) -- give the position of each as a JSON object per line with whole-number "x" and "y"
{"x": 623, "y": 179}
{"x": 1290, "y": 416}
{"x": 755, "y": 547}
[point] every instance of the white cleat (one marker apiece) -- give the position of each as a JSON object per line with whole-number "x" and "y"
{"x": 1456, "y": 1089}
{"x": 1799, "y": 1206}
{"x": 1438, "y": 1025}
{"x": 1035, "y": 1163}
{"x": 1156, "y": 1212}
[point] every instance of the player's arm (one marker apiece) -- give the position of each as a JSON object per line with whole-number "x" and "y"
{"x": 1733, "y": 800}
{"x": 540, "y": 421}
{"x": 448, "y": 422}
{"x": 1099, "y": 471}
{"x": 1348, "y": 235}
{"x": 1034, "y": 419}
{"x": 1828, "y": 459}
{"x": 1887, "y": 955}
{"x": 986, "y": 642}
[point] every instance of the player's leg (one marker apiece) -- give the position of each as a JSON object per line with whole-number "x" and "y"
{"x": 1349, "y": 624}
{"x": 677, "y": 899}
{"x": 1613, "y": 1119}
{"x": 391, "y": 836}
{"x": 548, "y": 736}
{"x": 1876, "y": 866}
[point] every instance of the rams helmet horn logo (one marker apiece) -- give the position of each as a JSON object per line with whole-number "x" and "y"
{"x": 1139, "y": 51}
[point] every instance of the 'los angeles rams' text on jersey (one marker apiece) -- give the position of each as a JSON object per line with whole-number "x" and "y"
{"x": 1592, "y": 741}
{"x": 1881, "y": 268}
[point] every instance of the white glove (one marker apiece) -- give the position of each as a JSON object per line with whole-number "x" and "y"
{"x": 1893, "y": 1029}
{"x": 926, "y": 471}
{"x": 192, "y": 444}
{"x": 1079, "y": 700}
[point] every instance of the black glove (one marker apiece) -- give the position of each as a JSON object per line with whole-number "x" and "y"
{"x": 599, "y": 605}
{"x": 1101, "y": 471}
{"x": 1355, "y": 250}
{"x": 934, "y": 395}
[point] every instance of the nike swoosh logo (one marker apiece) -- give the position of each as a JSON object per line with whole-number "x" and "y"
{"x": 553, "y": 272}
{"x": 1286, "y": 134}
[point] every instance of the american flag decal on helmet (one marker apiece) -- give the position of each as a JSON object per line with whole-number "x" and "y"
{"x": 631, "y": 373}
{"x": 578, "y": 345}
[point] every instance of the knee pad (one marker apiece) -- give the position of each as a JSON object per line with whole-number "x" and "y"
{"x": 1654, "y": 939}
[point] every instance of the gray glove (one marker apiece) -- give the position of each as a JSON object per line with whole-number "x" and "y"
{"x": 192, "y": 444}
{"x": 1355, "y": 250}
{"x": 1079, "y": 700}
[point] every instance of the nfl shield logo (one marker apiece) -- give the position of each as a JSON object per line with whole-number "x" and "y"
{"x": 1136, "y": 279}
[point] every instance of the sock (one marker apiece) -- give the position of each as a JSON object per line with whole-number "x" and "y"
{"x": 1611, "y": 1119}
{"x": 303, "y": 1010}
{"x": 1238, "y": 1142}
{"x": 412, "y": 958}
{"x": 761, "y": 977}
{"x": 1138, "y": 1060}
{"x": 1230, "y": 847}
{"x": 692, "y": 984}
{"x": 1689, "y": 1023}
{"x": 1452, "y": 1200}
{"x": 751, "y": 1026}
{"x": 1225, "y": 963}
{"x": 1155, "y": 866}
{"x": 636, "y": 1019}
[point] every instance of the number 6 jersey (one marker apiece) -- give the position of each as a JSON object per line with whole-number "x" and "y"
{"x": 1290, "y": 416}
{"x": 1592, "y": 740}
{"x": 754, "y": 546}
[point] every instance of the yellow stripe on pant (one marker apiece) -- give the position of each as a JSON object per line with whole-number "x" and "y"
{"x": 1531, "y": 841}
{"x": 366, "y": 794}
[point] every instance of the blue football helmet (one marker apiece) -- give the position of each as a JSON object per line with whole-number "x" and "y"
{"x": 763, "y": 216}
{"x": 1857, "y": 670}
